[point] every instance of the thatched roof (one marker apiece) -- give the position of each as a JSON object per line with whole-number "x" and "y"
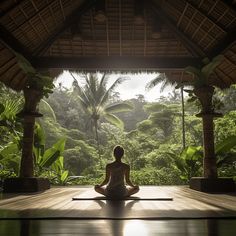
{"x": 118, "y": 35}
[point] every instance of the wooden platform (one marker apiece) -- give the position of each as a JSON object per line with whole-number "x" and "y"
{"x": 57, "y": 203}
{"x": 54, "y": 213}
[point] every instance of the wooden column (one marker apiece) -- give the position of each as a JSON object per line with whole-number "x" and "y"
{"x": 204, "y": 95}
{"x": 32, "y": 98}
{"x": 210, "y": 181}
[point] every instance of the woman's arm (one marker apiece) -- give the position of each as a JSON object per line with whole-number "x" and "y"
{"x": 107, "y": 177}
{"x": 127, "y": 177}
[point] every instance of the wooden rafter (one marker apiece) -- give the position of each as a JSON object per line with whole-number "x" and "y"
{"x": 206, "y": 14}
{"x": 107, "y": 34}
{"x": 11, "y": 42}
{"x": 120, "y": 29}
{"x": 196, "y": 50}
{"x": 75, "y": 15}
{"x": 30, "y": 23}
{"x": 113, "y": 63}
{"x": 38, "y": 12}
{"x": 224, "y": 44}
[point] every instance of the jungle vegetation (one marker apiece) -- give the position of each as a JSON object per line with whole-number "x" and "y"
{"x": 81, "y": 125}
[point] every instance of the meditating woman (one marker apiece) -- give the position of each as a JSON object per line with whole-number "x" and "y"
{"x": 117, "y": 174}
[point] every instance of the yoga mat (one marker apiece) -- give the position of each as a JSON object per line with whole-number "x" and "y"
{"x": 123, "y": 199}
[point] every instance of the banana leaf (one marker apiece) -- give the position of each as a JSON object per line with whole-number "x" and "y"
{"x": 52, "y": 154}
{"x": 226, "y": 145}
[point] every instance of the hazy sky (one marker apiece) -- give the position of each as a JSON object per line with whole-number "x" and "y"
{"x": 135, "y": 84}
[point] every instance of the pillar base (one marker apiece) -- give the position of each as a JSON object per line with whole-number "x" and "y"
{"x": 25, "y": 185}
{"x": 219, "y": 185}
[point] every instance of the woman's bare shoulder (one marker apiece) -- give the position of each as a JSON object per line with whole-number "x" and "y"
{"x": 126, "y": 166}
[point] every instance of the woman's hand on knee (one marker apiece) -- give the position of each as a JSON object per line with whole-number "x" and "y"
{"x": 97, "y": 186}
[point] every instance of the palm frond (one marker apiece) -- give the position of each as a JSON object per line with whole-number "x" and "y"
{"x": 114, "y": 120}
{"x": 160, "y": 79}
{"x": 109, "y": 90}
{"x": 48, "y": 107}
{"x": 102, "y": 87}
{"x": 118, "y": 107}
{"x": 83, "y": 98}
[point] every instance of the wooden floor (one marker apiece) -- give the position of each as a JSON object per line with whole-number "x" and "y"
{"x": 54, "y": 213}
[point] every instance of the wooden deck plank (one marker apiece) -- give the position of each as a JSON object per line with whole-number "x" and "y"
{"x": 205, "y": 227}
{"x": 57, "y": 203}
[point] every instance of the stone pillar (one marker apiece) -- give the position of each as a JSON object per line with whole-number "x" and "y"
{"x": 210, "y": 182}
{"x": 27, "y": 160}
{"x": 204, "y": 95}
{"x": 32, "y": 98}
{"x": 26, "y": 182}
{"x": 209, "y": 161}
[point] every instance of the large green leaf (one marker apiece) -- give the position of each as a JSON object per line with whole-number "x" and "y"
{"x": 114, "y": 120}
{"x": 192, "y": 153}
{"x": 226, "y": 145}
{"x": 58, "y": 165}
{"x": 118, "y": 107}
{"x": 39, "y": 134}
{"x": 8, "y": 150}
{"x": 52, "y": 154}
{"x": 2, "y": 108}
{"x": 64, "y": 176}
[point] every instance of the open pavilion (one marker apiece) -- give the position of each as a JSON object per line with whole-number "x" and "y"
{"x": 121, "y": 36}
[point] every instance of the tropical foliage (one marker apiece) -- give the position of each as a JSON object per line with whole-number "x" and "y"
{"x": 65, "y": 147}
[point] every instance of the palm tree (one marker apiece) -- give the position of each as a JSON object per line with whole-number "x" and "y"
{"x": 165, "y": 82}
{"x": 94, "y": 98}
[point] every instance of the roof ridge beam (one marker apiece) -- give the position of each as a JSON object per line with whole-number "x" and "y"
{"x": 114, "y": 62}
{"x": 76, "y": 14}
{"x": 195, "y": 49}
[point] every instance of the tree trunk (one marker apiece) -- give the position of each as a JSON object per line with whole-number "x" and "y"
{"x": 183, "y": 119}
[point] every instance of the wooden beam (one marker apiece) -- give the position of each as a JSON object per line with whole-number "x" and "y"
{"x": 11, "y": 42}
{"x": 224, "y": 44}
{"x": 196, "y": 50}
{"x": 75, "y": 15}
{"x": 126, "y": 63}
